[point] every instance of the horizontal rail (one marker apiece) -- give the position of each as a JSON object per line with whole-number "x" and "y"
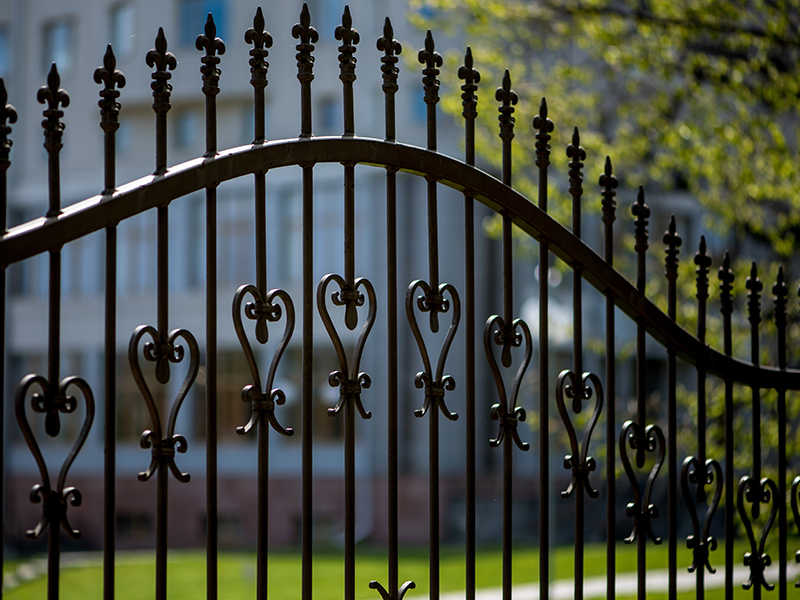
{"x": 101, "y": 211}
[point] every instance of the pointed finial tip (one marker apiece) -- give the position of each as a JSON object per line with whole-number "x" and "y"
{"x": 608, "y": 167}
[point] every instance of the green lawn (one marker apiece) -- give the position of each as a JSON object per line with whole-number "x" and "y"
{"x": 135, "y": 574}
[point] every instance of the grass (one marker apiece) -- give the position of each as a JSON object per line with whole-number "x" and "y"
{"x": 135, "y": 573}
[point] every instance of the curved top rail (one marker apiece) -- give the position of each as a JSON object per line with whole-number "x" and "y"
{"x": 93, "y": 214}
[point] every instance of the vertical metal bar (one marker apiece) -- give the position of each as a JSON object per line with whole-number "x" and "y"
{"x": 109, "y": 475}
{"x": 162, "y": 498}
{"x": 391, "y": 48}
{"x": 609, "y": 183}
{"x": 545, "y": 127}
{"x": 347, "y": 75}
{"x": 433, "y": 502}
{"x": 163, "y": 62}
{"x": 307, "y": 382}
{"x": 471, "y": 78}
{"x": 307, "y": 36}
{"x": 578, "y": 155}
{"x": 703, "y": 262}
{"x": 432, "y": 60}
{"x": 350, "y": 501}
{"x": 755, "y": 286}
{"x": 726, "y": 302}
{"x": 55, "y": 98}
{"x": 673, "y": 241}
{"x": 641, "y": 211}
{"x": 781, "y": 292}
{"x": 8, "y": 115}
{"x": 261, "y": 40}
{"x": 212, "y": 46}
{"x": 110, "y": 77}
{"x": 508, "y": 99}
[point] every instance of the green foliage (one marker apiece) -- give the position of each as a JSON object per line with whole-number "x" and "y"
{"x": 700, "y": 94}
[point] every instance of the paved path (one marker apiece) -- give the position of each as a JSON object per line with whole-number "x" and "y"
{"x": 657, "y": 580}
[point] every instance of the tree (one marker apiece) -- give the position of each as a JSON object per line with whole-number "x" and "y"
{"x": 694, "y": 94}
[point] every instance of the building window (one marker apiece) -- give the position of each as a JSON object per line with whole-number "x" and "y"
{"x": 5, "y": 50}
{"x": 188, "y": 127}
{"x": 59, "y": 45}
{"x": 192, "y": 15}
{"x": 331, "y": 119}
{"x": 122, "y": 30}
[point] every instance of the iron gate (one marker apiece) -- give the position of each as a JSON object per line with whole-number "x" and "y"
{"x": 506, "y": 339}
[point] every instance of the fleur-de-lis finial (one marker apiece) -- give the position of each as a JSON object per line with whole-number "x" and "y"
{"x": 8, "y": 115}
{"x": 110, "y": 78}
{"x": 576, "y": 152}
{"x": 641, "y": 211}
{"x": 349, "y": 38}
{"x": 703, "y": 262}
{"x": 545, "y": 128}
{"x": 755, "y": 286}
{"x": 212, "y": 45}
{"x": 390, "y": 48}
{"x": 471, "y": 77}
{"x": 609, "y": 183}
{"x": 308, "y": 36}
{"x": 163, "y": 62}
{"x": 508, "y": 98}
{"x": 261, "y": 40}
{"x": 432, "y": 60}
{"x": 673, "y": 241}
{"x": 726, "y": 285}
{"x": 781, "y": 291}
{"x": 55, "y": 98}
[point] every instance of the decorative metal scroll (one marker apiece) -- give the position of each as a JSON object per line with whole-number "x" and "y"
{"x": 578, "y": 461}
{"x": 50, "y": 402}
{"x": 764, "y": 492}
{"x": 261, "y": 310}
{"x": 348, "y": 378}
{"x": 506, "y": 412}
{"x": 164, "y": 442}
{"x": 435, "y": 383}
{"x": 701, "y": 542}
{"x": 641, "y": 510}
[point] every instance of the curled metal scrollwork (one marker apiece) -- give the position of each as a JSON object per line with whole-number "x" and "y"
{"x": 263, "y": 309}
{"x": 764, "y": 492}
{"x": 435, "y": 384}
{"x": 348, "y": 378}
{"x": 506, "y": 412}
{"x": 796, "y": 513}
{"x": 50, "y": 402}
{"x": 408, "y": 585}
{"x": 697, "y": 475}
{"x": 163, "y": 443}
{"x": 651, "y": 441}
{"x": 571, "y": 386}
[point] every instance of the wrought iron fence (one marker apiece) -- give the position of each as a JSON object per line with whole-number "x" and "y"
{"x": 638, "y": 443}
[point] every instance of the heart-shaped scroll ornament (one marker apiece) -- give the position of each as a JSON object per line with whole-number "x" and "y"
{"x": 435, "y": 384}
{"x": 163, "y": 443}
{"x": 701, "y": 542}
{"x": 763, "y": 492}
{"x": 579, "y": 389}
{"x": 263, "y": 310}
{"x": 650, "y": 441}
{"x": 506, "y": 412}
{"x": 348, "y": 378}
{"x": 48, "y": 401}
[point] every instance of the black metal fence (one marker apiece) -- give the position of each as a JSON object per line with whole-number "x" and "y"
{"x": 640, "y": 446}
